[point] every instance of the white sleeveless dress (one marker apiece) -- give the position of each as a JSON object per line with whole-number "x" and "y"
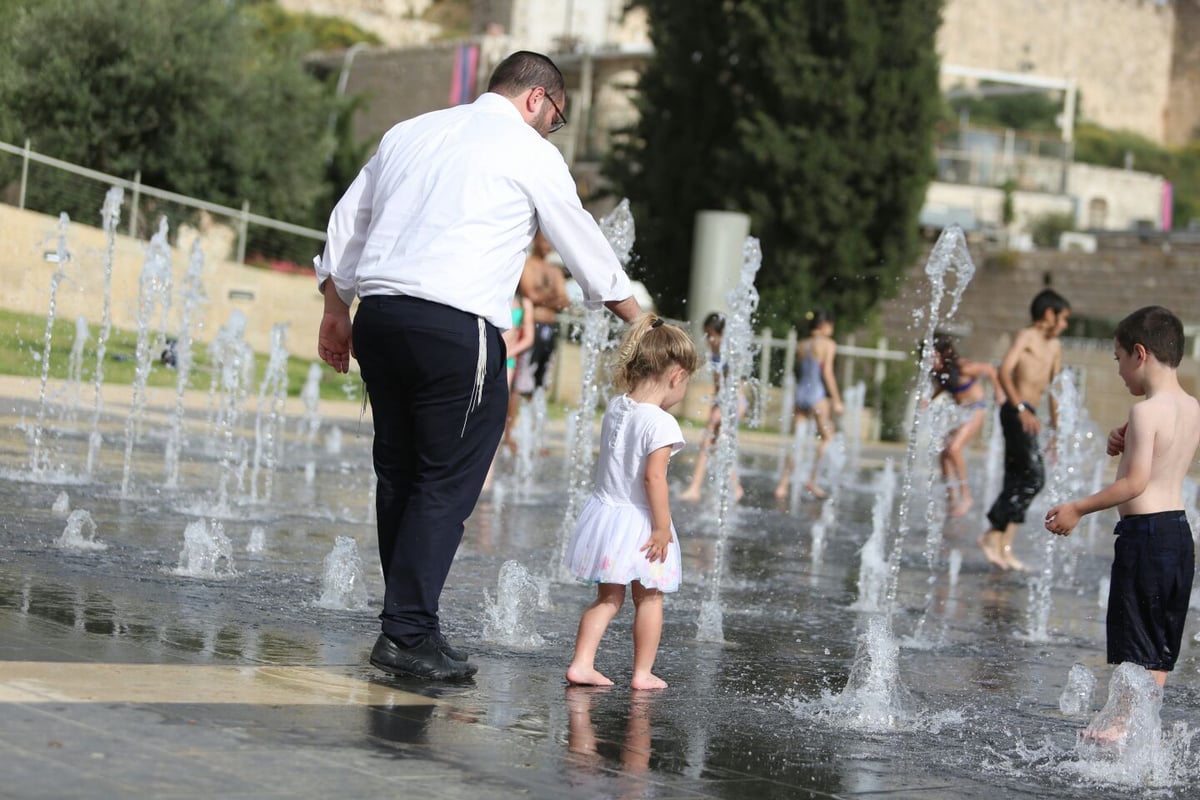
{"x": 615, "y": 522}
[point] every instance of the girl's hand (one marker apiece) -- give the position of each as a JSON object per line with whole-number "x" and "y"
{"x": 838, "y": 408}
{"x": 656, "y": 548}
{"x": 1116, "y": 441}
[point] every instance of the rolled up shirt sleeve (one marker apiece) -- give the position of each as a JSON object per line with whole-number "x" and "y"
{"x": 347, "y": 233}
{"x": 575, "y": 234}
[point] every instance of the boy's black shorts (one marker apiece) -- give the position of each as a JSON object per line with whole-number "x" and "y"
{"x": 1153, "y": 565}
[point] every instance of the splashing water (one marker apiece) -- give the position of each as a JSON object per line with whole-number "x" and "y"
{"x": 1076, "y": 697}
{"x": 737, "y": 366}
{"x": 269, "y": 418}
{"x": 618, "y": 228}
{"x": 38, "y": 462}
{"x": 1076, "y": 448}
{"x": 257, "y": 540}
{"x": 193, "y": 297}
{"x": 1125, "y": 743}
{"x": 110, "y": 215}
{"x": 154, "y": 290}
{"x": 75, "y": 370}
{"x": 873, "y": 567}
{"x": 80, "y": 533}
{"x": 62, "y": 505}
{"x": 948, "y": 257}
{"x": 510, "y": 619}
{"x": 874, "y": 698}
{"x": 231, "y": 358}
{"x": 207, "y": 551}
{"x": 343, "y": 587}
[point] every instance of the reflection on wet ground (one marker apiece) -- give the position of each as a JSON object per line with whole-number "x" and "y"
{"x": 744, "y": 719}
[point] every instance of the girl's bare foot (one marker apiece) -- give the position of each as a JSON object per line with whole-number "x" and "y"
{"x": 590, "y": 676}
{"x": 991, "y": 550}
{"x": 648, "y": 681}
{"x": 738, "y": 493}
{"x": 815, "y": 491}
{"x": 781, "y": 491}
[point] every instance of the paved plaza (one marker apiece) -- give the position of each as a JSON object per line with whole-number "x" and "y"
{"x": 120, "y": 678}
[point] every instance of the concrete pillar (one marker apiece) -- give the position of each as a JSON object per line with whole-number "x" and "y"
{"x": 716, "y": 261}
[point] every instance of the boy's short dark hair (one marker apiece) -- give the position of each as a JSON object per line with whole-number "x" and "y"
{"x": 1156, "y": 329}
{"x": 1047, "y": 299}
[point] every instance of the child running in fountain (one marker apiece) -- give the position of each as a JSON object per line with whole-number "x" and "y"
{"x": 714, "y": 332}
{"x": 962, "y": 380}
{"x": 624, "y": 536}
{"x": 817, "y": 397}
{"x": 1030, "y": 364}
{"x": 1154, "y": 559}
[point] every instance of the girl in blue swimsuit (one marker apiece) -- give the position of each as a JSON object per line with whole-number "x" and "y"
{"x": 817, "y": 395}
{"x": 962, "y": 379}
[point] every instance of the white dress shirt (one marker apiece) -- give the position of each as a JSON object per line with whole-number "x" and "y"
{"x": 447, "y": 207}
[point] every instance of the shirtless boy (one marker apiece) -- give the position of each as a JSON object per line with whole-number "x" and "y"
{"x": 543, "y": 283}
{"x": 1153, "y": 560}
{"x": 1032, "y": 361}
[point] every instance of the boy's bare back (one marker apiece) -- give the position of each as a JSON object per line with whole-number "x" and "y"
{"x": 1162, "y": 435}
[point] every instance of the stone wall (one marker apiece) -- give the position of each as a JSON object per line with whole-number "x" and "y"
{"x": 265, "y": 297}
{"x": 1132, "y": 58}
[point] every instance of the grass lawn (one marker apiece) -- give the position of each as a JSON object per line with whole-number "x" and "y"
{"x": 22, "y": 341}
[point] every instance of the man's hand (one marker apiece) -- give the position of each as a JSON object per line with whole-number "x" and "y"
{"x": 1116, "y": 441}
{"x": 335, "y": 345}
{"x": 656, "y": 548}
{"x": 1062, "y": 519}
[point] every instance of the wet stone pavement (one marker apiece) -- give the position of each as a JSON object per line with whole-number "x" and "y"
{"x": 119, "y": 678}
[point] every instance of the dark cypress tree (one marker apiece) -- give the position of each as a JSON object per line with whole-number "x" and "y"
{"x": 813, "y": 116}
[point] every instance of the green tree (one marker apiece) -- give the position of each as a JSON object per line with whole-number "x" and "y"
{"x": 176, "y": 89}
{"x": 814, "y": 117}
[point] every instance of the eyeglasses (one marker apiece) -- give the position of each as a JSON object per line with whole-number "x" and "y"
{"x": 557, "y": 124}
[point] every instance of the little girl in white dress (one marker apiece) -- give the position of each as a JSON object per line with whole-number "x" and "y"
{"x": 624, "y": 534}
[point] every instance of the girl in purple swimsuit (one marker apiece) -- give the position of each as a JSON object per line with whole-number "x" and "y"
{"x": 962, "y": 379}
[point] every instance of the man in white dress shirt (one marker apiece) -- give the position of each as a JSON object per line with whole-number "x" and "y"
{"x": 431, "y": 237}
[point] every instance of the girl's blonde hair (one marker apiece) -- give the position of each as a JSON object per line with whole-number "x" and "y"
{"x": 648, "y": 349}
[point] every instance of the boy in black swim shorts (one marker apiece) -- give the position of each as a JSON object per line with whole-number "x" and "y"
{"x": 1154, "y": 559}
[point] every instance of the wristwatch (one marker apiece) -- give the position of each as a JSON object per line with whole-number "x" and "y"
{"x": 1023, "y": 406}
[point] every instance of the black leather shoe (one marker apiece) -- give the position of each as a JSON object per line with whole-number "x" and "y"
{"x": 451, "y": 652}
{"x": 424, "y": 660}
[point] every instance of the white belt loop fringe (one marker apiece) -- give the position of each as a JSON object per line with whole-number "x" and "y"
{"x": 480, "y": 372}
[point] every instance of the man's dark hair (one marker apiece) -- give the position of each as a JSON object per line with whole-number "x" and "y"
{"x": 524, "y": 70}
{"x": 1047, "y": 299}
{"x": 1156, "y": 329}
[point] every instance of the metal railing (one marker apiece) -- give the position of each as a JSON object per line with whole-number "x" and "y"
{"x": 31, "y": 180}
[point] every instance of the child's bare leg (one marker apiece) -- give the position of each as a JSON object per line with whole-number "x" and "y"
{"x": 692, "y": 493}
{"x": 593, "y": 623}
{"x": 647, "y": 630}
{"x": 789, "y": 460}
{"x": 1006, "y": 551}
{"x": 990, "y": 542}
{"x": 514, "y": 408}
{"x": 955, "y": 452}
{"x": 824, "y": 434}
